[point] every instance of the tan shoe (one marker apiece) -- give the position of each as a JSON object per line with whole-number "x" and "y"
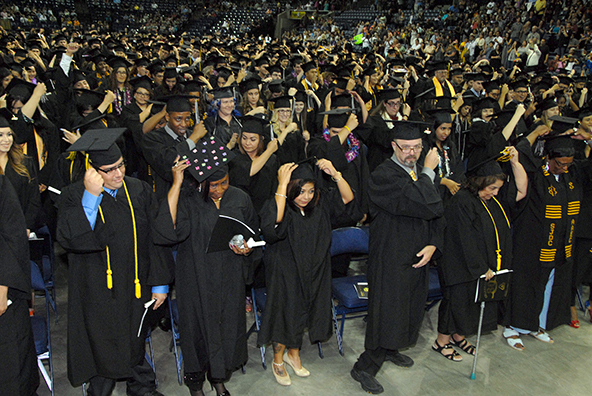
{"x": 282, "y": 380}
{"x": 301, "y": 372}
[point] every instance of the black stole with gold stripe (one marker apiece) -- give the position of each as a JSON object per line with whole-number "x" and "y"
{"x": 562, "y": 206}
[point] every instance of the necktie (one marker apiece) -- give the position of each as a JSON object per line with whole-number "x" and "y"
{"x": 413, "y": 175}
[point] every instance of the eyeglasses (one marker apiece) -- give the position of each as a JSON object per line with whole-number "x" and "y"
{"x": 393, "y": 104}
{"x": 145, "y": 95}
{"x": 121, "y": 72}
{"x": 408, "y": 149}
{"x": 562, "y": 165}
{"x": 113, "y": 169}
{"x": 521, "y": 92}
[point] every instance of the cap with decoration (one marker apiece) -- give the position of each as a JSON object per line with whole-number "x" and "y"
{"x": 208, "y": 160}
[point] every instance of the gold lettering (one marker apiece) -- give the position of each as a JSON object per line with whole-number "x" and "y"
{"x": 550, "y": 243}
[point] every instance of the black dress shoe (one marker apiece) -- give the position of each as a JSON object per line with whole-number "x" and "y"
{"x": 153, "y": 392}
{"x": 368, "y": 382}
{"x": 399, "y": 359}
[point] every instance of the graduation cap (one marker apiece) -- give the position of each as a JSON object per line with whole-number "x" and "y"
{"x": 548, "y": 103}
{"x": 255, "y": 124}
{"x": 276, "y": 86}
{"x": 562, "y": 124}
{"x": 484, "y": 103}
{"x": 262, "y": 61}
{"x": 193, "y": 85}
{"x": 456, "y": 72}
{"x": 275, "y": 69}
{"x": 223, "y": 92}
{"x": 437, "y": 65}
{"x": 209, "y": 159}
{"x": 100, "y": 145}
{"x": 142, "y": 62}
{"x": 96, "y": 59}
{"x": 304, "y": 170}
{"x": 117, "y": 61}
{"x": 521, "y": 83}
{"x": 249, "y": 84}
{"x": 4, "y": 123}
{"x": 20, "y": 89}
{"x": 88, "y": 121}
{"x": 487, "y": 167}
{"x": 559, "y": 145}
{"x": 309, "y": 66}
{"x": 370, "y": 70}
{"x": 170, "y": 72}
{"x": 410, "y": 130}
{"x": 486, "y": 69}
{"x": 175, "y": 103}
{"x": 388, "y": 94}
{"x": 21, "y": 53}
{"x": 300, "y": 96}
{"x": 565, "y": 80}
{"x": 141, "y": 82}
{"x": 475, "y": 77}
{"x": 584, "y": 112}
{"x": 28, "y": 63}
{"x": 89, "y": 99}
{"x": 469, "y": 100}
{"x": 59, "y": 37}
{"x": 490, "y": 86}
{"x": 282, "y": 102}
{"x": 343, "y": 100}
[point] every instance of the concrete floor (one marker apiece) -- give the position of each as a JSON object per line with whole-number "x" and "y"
{"x": 561, "y": 368}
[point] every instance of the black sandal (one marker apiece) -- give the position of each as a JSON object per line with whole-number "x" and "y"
{"x": 440, "y": 349}
{"x": 464, "y": 345}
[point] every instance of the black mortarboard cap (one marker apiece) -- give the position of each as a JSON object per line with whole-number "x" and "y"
{"x": 584, "y": 112}
{"x": 341, "y": 83}
{"x": 193, "y": 85}
{"x": 308, "y": 66}
{"x": 548, "y": 103}
{"x": 255, "y": 124}
{"x": 142, "y": 62}
{"x": 388, "y": 94}
{"x": 86, "y": 121}
{"x": 276, "y": 86}
{"x": 562, "y": 124}
{"x": 224, "y": 92}
{"x": 565, "y": 80}
{"x": 282, "y": 102}
{"x": 304, "y": 170}
{"x": 438, "y": 65}
{"x": 410, "y": 130}
{"x": 170, "y": 72}
{"x": 176, "y": 103}
{"x": 490, "y": 86}
{"x": 20, "y": 89}
{"x": 483, "y": 103}
{"x": 117, "y": 61}
{"x": 249, "y": 84}
{"x": 89, "y": 99}
{"x": 100, "y": 145}
{"x": 209, "y": 159}
{"x": 344, "y": 100}
{"x": 559, "y": 143}
{"x": 478, "y": 167}
{"x": 142, "y": 82}
{"x": 521, "y": 83}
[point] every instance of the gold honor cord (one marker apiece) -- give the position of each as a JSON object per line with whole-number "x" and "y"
{"x": 498, "y": 250}
{"x": 138, "y": 287}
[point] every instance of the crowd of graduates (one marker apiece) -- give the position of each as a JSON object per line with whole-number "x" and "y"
{"x": 115, "y": 140}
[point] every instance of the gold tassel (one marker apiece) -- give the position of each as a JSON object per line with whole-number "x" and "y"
{"x": 138, "y": 288}
{"x": 109, "y": 279}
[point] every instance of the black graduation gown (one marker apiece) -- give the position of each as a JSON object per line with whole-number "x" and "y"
{"x": 455, "y": 166}
{"x": 221, "y": 129}
{"x": 355, "y": 173}
{"x": 160, "y": 150}
{"x": 18, "y": 365}
{"x": 298, "y": 272}
{"x": 532, "y": 234}
{"x": 483, "y": 141}
{"x": 260, "y": 186}
{"x": 210, "y": 286}
{"x": 292, "y": 150}
{"x": 377, "y": 137}
{"x": 469, "y": 251}
{"x": 407, "y": 217}
{"x": 130, "y": 119}
{"x": 103, "y": 323}
{"x": 27, "y": 192}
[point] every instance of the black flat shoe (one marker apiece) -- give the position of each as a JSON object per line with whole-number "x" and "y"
{"x": 368, "y": 382}
{"x": 399, "y": 359}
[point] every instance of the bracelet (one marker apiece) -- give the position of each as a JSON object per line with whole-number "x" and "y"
{"x": 346, "y": 127}
{"x": 338, "y": 180}
{"x": 281, "y": 195}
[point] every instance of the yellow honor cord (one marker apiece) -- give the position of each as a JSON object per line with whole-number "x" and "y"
{"x": 136, "y": 280}
{"x": 498, "y": 251}
{"x": 109, "y": 272}
{"x": 138, "y": 287}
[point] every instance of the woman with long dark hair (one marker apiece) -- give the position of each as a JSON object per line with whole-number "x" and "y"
{"x": 296, "y": 225}
{"x": 118, "y": 83}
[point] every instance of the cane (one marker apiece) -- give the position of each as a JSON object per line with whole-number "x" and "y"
{"x": 478, "y": 340}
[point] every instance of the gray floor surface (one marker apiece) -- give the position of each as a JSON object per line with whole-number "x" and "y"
{"x": 561, "y": 368}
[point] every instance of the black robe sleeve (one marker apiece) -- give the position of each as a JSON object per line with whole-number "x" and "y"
{"x": 15, "y": 268}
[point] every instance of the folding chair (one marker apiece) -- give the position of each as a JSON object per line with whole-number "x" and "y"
{"x": 346, "y": 300}
{"x": 43, "y": 255}
{"x": 41, "y": 331}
